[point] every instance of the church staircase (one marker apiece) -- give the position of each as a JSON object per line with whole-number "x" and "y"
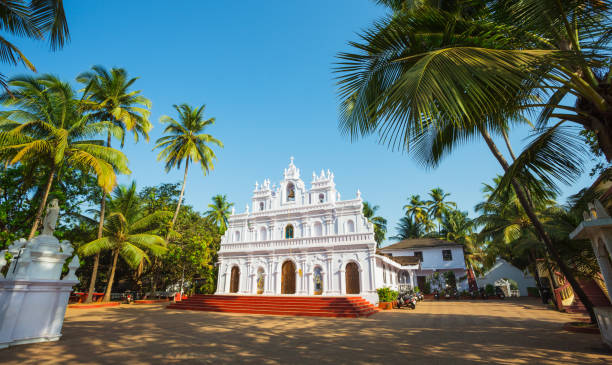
{"x": 593, "y": 292}
{"x": 314, "y": 306}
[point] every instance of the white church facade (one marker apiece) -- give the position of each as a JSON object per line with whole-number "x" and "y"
{"x": 297, "y": 241}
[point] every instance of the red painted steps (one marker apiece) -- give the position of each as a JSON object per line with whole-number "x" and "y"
{"x": 280, "y": 305}
{"x": 593, "y": 292}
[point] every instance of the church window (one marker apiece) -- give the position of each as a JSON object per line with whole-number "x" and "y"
{"x": 350, "y": 226}
{"x": 289, "y": 231}
{"x": 318, "y": 229}
{"x": 261, "y": 206}
{"x": 263, "y": 234}
{"x": 237, "y": 236}
{"x": 290, "y": 192}
{"x": 321, "y": 198}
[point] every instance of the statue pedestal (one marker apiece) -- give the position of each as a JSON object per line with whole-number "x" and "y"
{"x": 33, "y": 299}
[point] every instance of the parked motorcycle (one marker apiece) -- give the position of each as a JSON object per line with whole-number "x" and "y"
{"x": 483, "y": 293}
{"x": 406, "y": 300}
{"x": 474, "y": 294}
{"x": 499, "y": 292}
{"x": 436, "y": 294}
{"x": 420, "y": 296}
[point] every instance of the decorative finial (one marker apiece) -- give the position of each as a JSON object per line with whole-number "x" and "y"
{"x": 247, "y": 209}
{"x": 256, "y": 185}
{"x": 233, "y": 210}
{"x": 358, "y": 194}
{"x": 50, "y": 220}
{"x": 291, "y": 158}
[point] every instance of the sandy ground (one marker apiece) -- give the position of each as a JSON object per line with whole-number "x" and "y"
{"x": 444, "y": 332}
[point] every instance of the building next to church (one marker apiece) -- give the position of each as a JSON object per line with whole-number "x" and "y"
{"x": 297, "y": 241}
{"x": 435, "y": 255}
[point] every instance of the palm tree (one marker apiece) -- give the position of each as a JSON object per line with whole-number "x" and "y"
{"x": 408, "y": 228}
{"x": 417, "y": 210}
{"x": 458, "y": 227}
{"x": 128, "y": 232}
{"x": 32, "y": 19}
{"x": 437, "y": 207}
{"x": 219, "y": 212}
{"x": 48, "y": 126}
{"x": 108, "y": 97}
{"x": 187, "y": 143}
{"x": 380, "y": 223}
{"x": 431, "y": 79}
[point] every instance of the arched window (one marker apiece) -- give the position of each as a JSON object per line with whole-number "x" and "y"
{"x": 321, "y": 198}
{"x": 350, "y": 226}
{"x": 290, "y": 192}
{"x": 318, "y": 229}
{"x": 261, "y": 206}
{"x": 289, "y": 231}
{"x": 263, "y": 234}
{"x": 237, "y": 236}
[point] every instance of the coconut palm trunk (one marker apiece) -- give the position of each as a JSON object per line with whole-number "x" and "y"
{"x": 41, "y": 207}
{"x": 111, "y": 277}
{"x": 94, "y": 272}
{"x": 178, "y": 206}
{"x": 539, "y": 227}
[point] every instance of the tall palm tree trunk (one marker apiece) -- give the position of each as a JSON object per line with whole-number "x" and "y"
{"x": 41, "y": 207}
{"x": 178, "y": 206}
{"x": 94, "y": 272}
{"x": 539, "y": 228}
{"x": 111, "y": 277}
{"x": 508, "y": 145}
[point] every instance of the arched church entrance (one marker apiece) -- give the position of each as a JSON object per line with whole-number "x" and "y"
{"x": 235, "y": 280}
{"x": 352, "y": 278}
{"x": 288, "y": 278}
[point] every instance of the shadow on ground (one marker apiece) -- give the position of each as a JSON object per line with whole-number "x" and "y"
{"x": 436, "y": 332}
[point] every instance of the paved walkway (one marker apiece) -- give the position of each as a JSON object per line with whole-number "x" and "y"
{"x": 444, "y": 332}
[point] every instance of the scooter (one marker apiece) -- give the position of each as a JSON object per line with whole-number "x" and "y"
{"x": 499, "y": 292}
{"x": 483, "y": 293}
{"x": 420, "y": 296}
{"x": 436, "y": 294}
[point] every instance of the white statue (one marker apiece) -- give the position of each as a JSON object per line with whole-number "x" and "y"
{"x": 50, "y": 220}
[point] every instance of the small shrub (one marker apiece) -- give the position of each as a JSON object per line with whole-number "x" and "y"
{"x": 416, "y": 289}
{"x": 490, "y": 289}
{"x": 513, "y": 284}
{"x": 387, "y": 295}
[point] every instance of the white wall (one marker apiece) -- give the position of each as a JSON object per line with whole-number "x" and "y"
{"x": 432, "y": 257}
{"x": 503, "y": 269}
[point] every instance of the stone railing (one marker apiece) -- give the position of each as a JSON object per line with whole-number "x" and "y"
{"x": 302, "y": 242}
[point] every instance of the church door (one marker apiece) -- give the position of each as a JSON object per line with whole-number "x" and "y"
{"x": 352, "y": 278}
{"x": 288, "y": 278}
{"x": 235, "y": 280}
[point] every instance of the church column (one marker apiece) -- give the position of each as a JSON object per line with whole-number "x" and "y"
{"x": 372, "y": 273}
{"x": 412, "y": 278}
{"x": 342, "y": 280}
{"x": 276, "y": 278}
{"x": 328, "y": 285}
{"x": 302, "y": 269}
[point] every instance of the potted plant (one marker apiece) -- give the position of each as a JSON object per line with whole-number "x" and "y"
{"x": 386, "y": 297}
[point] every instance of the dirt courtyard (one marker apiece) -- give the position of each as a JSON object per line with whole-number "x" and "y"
{"x": 437, "y": 332}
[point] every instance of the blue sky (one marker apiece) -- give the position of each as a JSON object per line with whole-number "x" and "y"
{"x": 264, "y": 70}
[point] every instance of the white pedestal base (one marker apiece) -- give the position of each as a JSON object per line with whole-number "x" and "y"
{"x": 32, "y": 310}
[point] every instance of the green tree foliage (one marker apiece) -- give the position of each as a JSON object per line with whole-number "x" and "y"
{"x": 186, "y": 142}
{"x": 407, "y": 228}
{"x": 47, "y": 126}
{"x": 379, "y": 223}
{"x": 34, "y": 19}
{"x": 219, "y": 211}
{"x": 128, "y": 232}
